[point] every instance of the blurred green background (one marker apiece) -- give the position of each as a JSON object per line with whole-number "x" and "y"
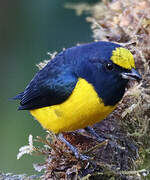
{"x": 28, "y": 30}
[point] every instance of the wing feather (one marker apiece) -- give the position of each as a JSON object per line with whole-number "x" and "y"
{"x": 50, "y": 86}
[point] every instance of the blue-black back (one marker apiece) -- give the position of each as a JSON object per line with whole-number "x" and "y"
{"x": 56, "y": 81}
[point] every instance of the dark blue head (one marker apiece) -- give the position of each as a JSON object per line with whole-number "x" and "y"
{"x": 107, "y": 66}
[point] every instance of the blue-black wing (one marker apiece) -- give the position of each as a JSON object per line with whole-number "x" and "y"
{"x": 50, "y": 86}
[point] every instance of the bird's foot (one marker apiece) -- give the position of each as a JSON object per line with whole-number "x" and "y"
{"x": 91, "y": 131}
{"x": 73, "y": 149}
{"x": 102, "y": 140}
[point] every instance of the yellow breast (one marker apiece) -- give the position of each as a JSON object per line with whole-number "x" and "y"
{"x": 83, "y": 108}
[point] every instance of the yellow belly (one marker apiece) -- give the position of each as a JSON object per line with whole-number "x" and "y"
{"x": 83, "y": 108}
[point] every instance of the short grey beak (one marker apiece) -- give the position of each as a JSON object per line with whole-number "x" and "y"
{"x": 134, "y": 75}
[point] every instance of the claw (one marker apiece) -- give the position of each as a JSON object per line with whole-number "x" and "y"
{"x": 84, "y": 157}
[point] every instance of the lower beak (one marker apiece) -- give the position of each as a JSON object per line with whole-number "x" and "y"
{"x": 134, "y": 75}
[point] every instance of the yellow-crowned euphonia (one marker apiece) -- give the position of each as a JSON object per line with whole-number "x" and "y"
{"x": 79, "y": 87}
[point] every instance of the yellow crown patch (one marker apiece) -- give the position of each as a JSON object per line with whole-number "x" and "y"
{"x": 123, "y": 57}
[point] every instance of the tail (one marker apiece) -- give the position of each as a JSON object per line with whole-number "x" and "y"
{"x": 18, "y": 97}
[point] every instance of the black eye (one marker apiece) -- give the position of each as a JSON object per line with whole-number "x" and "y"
{"x": 109, "y": 66}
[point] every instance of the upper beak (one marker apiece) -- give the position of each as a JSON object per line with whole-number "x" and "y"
{"x": 133, "y": 74}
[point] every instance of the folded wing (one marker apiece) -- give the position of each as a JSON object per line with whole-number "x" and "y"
{"x": 52, "y": 85}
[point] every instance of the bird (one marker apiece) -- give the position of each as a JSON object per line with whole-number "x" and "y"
{"x": 79, "y": 87}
